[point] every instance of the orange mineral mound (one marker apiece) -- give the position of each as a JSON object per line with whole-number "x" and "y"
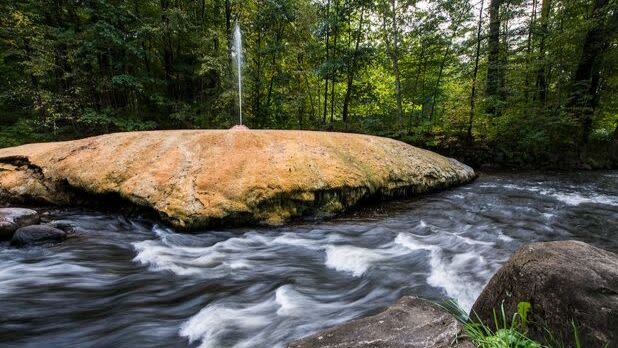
{"x": 196, "y": 178}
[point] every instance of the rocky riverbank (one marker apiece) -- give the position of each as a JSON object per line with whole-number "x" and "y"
{"x": 567, "y": 283}
{"x": 410, "y": 323}
{"x": 24, "y": 227}
{"x": 199, "y": 178}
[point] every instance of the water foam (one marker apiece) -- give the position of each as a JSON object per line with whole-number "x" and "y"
{"x": 453, "y": 258}
{"x": 215, "y": 261}
{"x": 352, "y": 259}
{"x": 572, "y": 198}
{"x": 292, "y": 303}
{"x": 569, "y": 198}
{"x": 237, "y": 254}
{"x": 451, "y": 275}
{"x": 213, "y": 322}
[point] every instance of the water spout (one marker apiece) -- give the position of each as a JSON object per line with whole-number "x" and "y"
{"x": 237, "y": 51}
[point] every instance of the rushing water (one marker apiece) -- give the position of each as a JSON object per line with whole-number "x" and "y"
{"x": 133, "y": 283}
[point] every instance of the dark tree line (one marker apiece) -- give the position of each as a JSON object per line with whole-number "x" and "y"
{"x": 508, "y": 81}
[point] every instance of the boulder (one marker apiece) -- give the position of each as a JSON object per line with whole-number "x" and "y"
{"x": 13, "y": 218}
{"x": 199, "y": 178}
{"x": 563, "y": 281}
{"x": 65, "y": 226}
{"x": 37, "y": 234}
{"x": 410, "y": 323}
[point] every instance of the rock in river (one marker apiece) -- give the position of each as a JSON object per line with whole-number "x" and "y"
{"x": 410, "y": 323}
{"x": 563, "y": 281}
{"x": 13, "y": 218}
{"x": 37, "y": 234}
{"x": 196, "y": 178}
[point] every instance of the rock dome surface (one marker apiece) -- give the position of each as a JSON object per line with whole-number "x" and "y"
{"x": 199, "y": 178}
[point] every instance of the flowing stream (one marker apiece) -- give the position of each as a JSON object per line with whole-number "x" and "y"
{"x": 136, "y": 283}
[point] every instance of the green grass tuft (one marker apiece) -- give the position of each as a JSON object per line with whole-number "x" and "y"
{"x": 504, "y": 333}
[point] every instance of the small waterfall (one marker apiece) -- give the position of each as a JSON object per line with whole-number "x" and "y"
{"x": 237, "y": 53}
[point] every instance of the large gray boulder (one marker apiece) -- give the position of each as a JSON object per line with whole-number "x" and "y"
{"x": 410, "y": 323}
{"x": 563, "y": 281}
{"x": 13, "y": 218}
{"x": 36, "y": 234}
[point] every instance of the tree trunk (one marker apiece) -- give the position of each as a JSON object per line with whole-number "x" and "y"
{"x": 168, "y": 64}
{"x": 541, "y": 76}
{"x": 475, "y": 73}
{"x": 438, "y": 81}
{"x": 504, "y": 54}
{"x": 311, "y": 101}
{"x": 586, "y": 81}
{"x": 274, "y": 63}
{"x": 417, "y": 77}
{"x": 327, "y": 57}
{"x": 531, "y": 25}
{"x": 455, "y": 23}
{"x": 493, "y": 59}
{"x": 332, "y": 85}
{"x": 395, "y": 58}
{"x": 257, "y": 112}
{"x": 351, "y": 70}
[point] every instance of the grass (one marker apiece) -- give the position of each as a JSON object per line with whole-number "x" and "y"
{"x": 507, "y": 331}
{"x": 507, "y": 334}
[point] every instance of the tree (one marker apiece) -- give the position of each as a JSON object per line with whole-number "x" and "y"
{"x": 587, "y": 78}
{"x": 495, "y": 73}
{"x": 475, "y": 73}
{"x": 546, "y": 67}
{"x": 394, "y": 53}
{"x": 352, "y": 63}
{"x": 541, "y": 81}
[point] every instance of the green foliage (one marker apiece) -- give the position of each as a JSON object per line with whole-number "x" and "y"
{"x": 22, "y": 132}
{"x": 70, "y": 69}
{"x": 506, "y": 334}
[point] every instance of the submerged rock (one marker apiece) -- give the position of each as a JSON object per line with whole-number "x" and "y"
{"x": 196, "y": 178}
{"x": 563, "y": 281}
{"x": 65, "y": 226}
{"x": 13, "y": 218}
{"x": 37, "y": 234}
{"x": 410, "y": 323}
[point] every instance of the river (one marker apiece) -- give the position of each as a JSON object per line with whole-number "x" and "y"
{"x": 132, "y": 282}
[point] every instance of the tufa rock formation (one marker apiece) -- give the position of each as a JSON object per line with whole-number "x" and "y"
{"x": 197, "y": 178}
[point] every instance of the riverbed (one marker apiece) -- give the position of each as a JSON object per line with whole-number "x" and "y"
{"x": 134, "y": 282}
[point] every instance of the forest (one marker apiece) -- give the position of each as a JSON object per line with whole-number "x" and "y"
{"x": 513, "y": 83}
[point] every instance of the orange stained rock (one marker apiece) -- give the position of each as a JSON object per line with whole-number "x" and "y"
{"x": 195, "y": 178}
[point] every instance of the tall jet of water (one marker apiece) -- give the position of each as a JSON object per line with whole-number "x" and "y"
{"x": 238, "y": 56}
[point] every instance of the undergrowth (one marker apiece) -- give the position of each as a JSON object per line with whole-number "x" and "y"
{"x": 507, "y": 331}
